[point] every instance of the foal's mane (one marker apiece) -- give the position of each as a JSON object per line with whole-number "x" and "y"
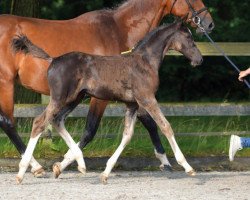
{"x": 151, "y": 34}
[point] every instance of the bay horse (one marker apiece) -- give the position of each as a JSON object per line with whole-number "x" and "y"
{"x": 132, "y": 78}
{"x": 103, "y": 32}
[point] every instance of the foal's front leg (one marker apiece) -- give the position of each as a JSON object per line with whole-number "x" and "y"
{"x": 152, "y": 107}
{"x": 130, "y": 119}
{"x": 151, "y": 126}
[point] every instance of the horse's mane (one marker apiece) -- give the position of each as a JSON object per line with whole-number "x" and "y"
{"x": 133, "y": 3}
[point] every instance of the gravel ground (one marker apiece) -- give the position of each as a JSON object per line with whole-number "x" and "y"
{"x": 129, "y": 185}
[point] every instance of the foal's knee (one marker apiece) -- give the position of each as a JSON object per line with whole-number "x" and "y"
{"x": 167, "y": 130}
{"x": 127, "y": 137}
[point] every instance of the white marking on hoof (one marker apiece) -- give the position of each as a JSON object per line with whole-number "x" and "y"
{"x": 39, "y": 173}
{"x": 19, "y": 180}
{"x": 82, "y": 170}
{"x": 192, "y": 173}
{"x": 104, "y": 178}
{"x": 56, "y": 169}
{"x": 163, "y": 158}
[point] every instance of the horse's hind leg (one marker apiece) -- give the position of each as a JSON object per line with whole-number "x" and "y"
{"x": 130, "y": 119}
{"x": 7, "y": 122}
{"x": 38, "y": 127}
{"x": 95, "y": 113}
{"x": 151, "y": 126}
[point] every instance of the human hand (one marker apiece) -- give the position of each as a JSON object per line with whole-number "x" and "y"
{"x": 244, "y": 74}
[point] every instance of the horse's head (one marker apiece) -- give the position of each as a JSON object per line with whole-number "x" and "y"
{"x": 183, "y": 42}
{"x": 196, "y": 11}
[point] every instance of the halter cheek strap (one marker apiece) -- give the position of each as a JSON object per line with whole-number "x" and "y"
{"x": 170, "y": 12}
{"x": 194, "y": 13}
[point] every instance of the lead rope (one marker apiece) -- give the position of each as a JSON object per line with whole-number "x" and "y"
{"x": 197, "y": 21}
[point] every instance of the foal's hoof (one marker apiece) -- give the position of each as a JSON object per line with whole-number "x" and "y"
{"x": 167, "y": 168}
{"x": 82, "y": 170}
{"x": 39, "y": 173}
{"x": 19, "y": 180}
{"x": 56, "y": 169}
{"x": 191, "y": 173}
{"x": 104, "y": 178}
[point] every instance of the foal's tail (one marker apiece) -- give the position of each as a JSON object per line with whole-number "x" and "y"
{"x": 22, "y": 44}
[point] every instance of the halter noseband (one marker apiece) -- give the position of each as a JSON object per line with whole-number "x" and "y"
{"x": 194, "y": 17}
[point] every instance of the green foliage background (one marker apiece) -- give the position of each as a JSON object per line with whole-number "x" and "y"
{"x": 214, "y": 81}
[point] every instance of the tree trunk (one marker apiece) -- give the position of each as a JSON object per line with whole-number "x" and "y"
{"x": 26, "y": 8}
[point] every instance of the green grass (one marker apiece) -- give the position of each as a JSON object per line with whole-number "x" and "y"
{"x": 104, "y": 145}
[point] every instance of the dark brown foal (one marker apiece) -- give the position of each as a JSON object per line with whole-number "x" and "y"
{"x": 131, "y": 78}
{"x": 102, "y": 32}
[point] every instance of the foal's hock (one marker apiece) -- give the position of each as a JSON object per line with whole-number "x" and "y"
{"x": 132, "y": 79}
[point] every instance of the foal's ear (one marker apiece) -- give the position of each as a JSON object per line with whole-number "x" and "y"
{"x": 185, "y": 18}
{"x": 178, "y": 22}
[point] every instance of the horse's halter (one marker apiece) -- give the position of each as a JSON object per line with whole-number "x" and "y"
{"x": 194, "y": 17}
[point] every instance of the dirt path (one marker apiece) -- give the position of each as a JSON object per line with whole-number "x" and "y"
{"x": 129, "y": 185}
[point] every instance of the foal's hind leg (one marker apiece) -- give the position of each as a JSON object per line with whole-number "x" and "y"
{"x": 7, "y": 122}
{"x": 38, "y": 127}
{"x": 151, "y": 126}
{"x": 151, "y": 106}
{"x": 95, "y": 113}
{"x": 58, "y": 122}
{"x": 130, "y": 119}
{"x": 75, "y": 150}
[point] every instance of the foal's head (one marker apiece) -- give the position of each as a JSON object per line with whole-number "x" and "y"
{"x": 182, "y": 41}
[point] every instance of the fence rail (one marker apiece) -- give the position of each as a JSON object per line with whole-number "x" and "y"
{"x": 171, "y": 109}
{"x": 230, "y": 48}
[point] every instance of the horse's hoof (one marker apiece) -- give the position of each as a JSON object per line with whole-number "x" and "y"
{"x": 167, "y": 168}
{"x": 39, "y": 173}
{"x": 82, "y": 170}
{"x": 104, "y": 179}
{"x": 191, "y": 173}
{"x": 19, "y": 180}
{"x": 56, "y": 169}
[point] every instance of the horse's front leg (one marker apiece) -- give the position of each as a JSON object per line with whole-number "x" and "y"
{"x": 152, "y": 107}
{"x": 7, "y": 122}
{"x": 130, "y": 119}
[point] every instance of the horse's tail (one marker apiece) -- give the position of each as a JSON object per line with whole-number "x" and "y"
{"x": 22, "y": 44}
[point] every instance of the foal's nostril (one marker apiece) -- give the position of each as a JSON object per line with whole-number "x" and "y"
{"x": 211, "y": 26}
{"x": 201, "y": 61}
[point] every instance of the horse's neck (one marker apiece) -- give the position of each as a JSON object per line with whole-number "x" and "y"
{"x": 136, "y": 18}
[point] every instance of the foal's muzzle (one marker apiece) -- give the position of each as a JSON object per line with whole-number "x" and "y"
{"x": 195, "y": 63}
